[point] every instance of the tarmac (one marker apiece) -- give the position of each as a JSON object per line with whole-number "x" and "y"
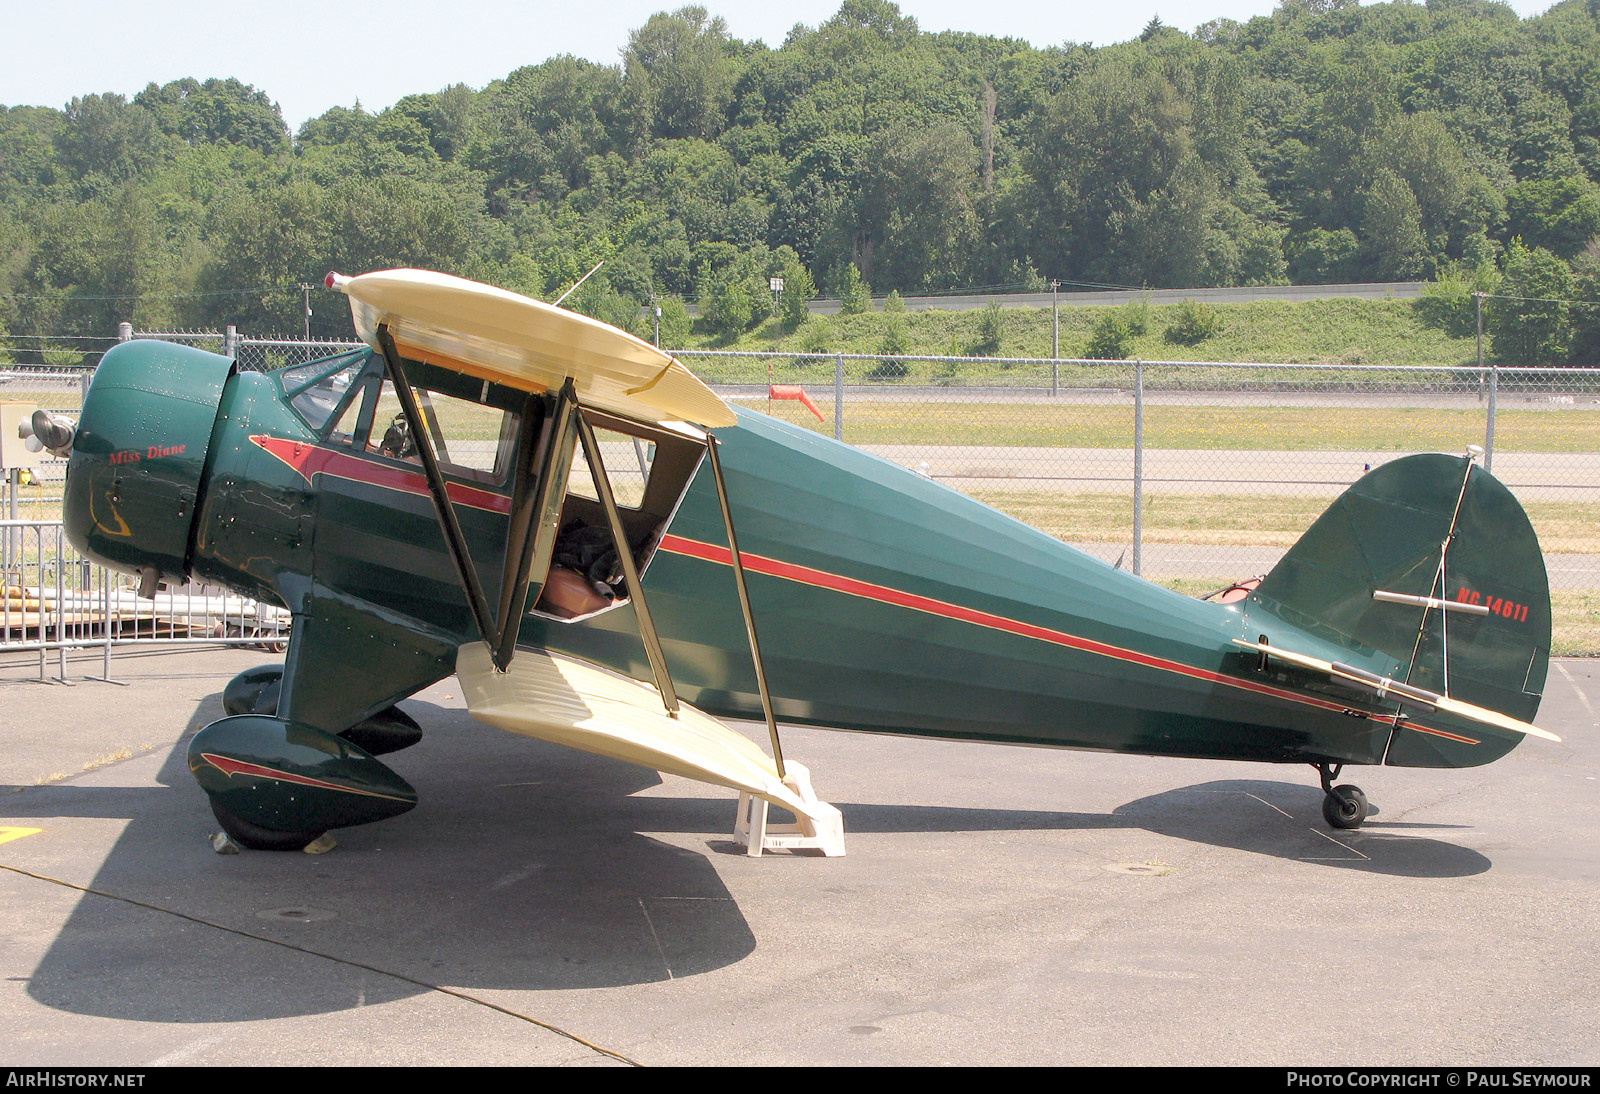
{"x": 996, "y": 905}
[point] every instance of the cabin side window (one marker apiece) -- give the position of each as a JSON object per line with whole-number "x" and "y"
{"x": 649, "y": 470}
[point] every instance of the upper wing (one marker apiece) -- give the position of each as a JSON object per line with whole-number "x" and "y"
{"x": 512, "y": 339}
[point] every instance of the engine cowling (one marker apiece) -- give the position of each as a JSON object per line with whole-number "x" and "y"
{"x": 139, "y": 456}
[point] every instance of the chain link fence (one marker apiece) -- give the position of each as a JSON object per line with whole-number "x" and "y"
{"x": 1192, "y": 474}
{"x": 1197, "y": 474}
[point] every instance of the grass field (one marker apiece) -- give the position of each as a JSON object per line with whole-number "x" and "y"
{"x": 1574, "y": 617}
{"x": 1253, "y": 520}
{"x": 888, "y": 420}
{"x": 1343, "y": 331}
{"x": 1219, "y": 426}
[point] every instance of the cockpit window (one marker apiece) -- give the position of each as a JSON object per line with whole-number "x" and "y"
{"x": 471, "y": 440}
{"x": 317, "y": 390}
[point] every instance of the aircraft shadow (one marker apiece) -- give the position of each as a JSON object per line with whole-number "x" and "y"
{"x": 532, "y": 879}
{"x": 537, "y": 877}
{"x": 1278, "y": 819}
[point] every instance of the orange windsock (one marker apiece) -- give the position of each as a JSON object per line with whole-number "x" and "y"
{"x": 793, "y": 391}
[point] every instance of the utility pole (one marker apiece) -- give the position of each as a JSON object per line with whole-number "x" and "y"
{"x": 1055, "y": 338}
{"x": 1055, "y": 319}
{"x": 1494, "y": 389}
{"x": 1477, "y": 299}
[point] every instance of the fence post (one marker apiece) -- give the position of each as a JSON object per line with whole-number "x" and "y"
{"x": 13, "y": 537}
{"x": 230, "y": 340}
{"x": 838, "y": 396}
{"x": 1138, "y": 468}
{"x": 1488, "y": 432}
{"x": 124, "y": 332}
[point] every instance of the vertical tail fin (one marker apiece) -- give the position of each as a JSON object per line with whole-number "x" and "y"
{"x": 1431, "y": 528}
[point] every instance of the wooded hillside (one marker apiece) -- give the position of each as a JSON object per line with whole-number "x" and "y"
{"x": 1328, "y": 142}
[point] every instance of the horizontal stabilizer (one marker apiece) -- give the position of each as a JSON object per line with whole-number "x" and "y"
{"x": 1382, "y": 685}
{"x": 570, "y": 702}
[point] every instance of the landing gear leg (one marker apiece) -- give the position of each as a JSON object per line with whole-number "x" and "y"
{"x": 1344, "y": 806}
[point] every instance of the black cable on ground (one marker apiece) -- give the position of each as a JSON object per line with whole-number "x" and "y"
{"x": 330, "y": 957}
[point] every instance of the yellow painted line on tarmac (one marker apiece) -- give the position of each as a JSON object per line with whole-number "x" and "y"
{"x": 9, "y": 834}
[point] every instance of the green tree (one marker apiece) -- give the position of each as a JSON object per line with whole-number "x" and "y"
{"x": 679, "y": 74}
{"x": 675, "y": 322}
{"x": 917, "y": 222}
{"x": 1193, "y": 323}
{"x": 855, "y": 295}
{"x": 1584, "y": 349}
{"x": 108, "y": 136}
{"x": 1528, "y": 323}
{"x": 1391, "y": 225}
{"x": 991, "y": 335}
{"x": 798, "y": 291}
{"x": 730, "y": 308}
{"x": 1560, "y": 215}
{"x": 1111, "y": 339}
{"x": 216, "y": 112}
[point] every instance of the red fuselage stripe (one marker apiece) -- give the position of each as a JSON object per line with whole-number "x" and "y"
{"x": 310, "y": 460}
{"x": 231, "y": 767}
{"x": 805, "y": 575}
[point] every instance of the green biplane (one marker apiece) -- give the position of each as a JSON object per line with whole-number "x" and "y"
{"x": 609, "y": 556}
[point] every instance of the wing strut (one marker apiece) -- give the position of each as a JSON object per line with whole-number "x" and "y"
{"x": 453, "y": 537}
{"x": 536, "y": 497}
{"x": 744, "y": 602}
{"x": 647, "y": 630}
{"x": 630, "y": 569}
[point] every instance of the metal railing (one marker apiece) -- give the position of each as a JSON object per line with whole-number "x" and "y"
{"x": 53, "y": 600}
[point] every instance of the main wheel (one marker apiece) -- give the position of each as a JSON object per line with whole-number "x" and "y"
{"x": 1345, "y": 807}
{"x": 257, "y": 838}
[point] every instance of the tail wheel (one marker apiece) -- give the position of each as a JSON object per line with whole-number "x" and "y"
{"x": 257, "y": 838}
{"x": 1345, "y": 807}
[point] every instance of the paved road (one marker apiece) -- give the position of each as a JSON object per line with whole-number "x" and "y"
{"x": 1532, "y": 476}
{"x": 996, "y": 906}
{"x": 1160, "y": 561}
